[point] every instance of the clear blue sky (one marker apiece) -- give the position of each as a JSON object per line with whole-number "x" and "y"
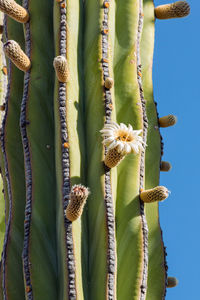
{"x": 176, "y": 89}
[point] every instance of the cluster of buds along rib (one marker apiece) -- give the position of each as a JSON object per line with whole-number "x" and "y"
{"x": 78, "y": 197}
{"x": 120, "y": 140}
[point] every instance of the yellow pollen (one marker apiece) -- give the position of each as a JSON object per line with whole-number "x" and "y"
{"x": 124, "y": 138}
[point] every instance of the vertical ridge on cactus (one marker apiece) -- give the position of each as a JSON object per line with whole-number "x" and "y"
{"x": 11, "y": 148}
{"x": 152, "y": 162}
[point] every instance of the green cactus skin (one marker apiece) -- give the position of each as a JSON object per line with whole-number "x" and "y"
{"x": 152, "y": 163}
{"x": 51, "y": 140}
{"x": 11, "y": 147}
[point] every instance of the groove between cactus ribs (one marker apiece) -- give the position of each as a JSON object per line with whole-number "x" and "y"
{"x": 28, "y": 167}
{"x": 110, "y": 219}
{"x": 62, "y": 95}
{"x": 8, "y": 224}
{"x": 143, "y": 287}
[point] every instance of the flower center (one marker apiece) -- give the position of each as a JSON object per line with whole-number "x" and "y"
{"x": 124, "y": 137}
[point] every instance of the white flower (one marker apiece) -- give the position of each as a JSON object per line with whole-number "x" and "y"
{"x": 123, "y": 138}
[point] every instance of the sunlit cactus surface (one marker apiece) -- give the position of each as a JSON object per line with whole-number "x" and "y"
{"x": 81, "y": 151}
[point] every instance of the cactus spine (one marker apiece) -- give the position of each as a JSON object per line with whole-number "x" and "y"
{"x": 86, "y": 66}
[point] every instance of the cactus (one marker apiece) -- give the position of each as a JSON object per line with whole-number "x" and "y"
{"x": 81, "y": 151}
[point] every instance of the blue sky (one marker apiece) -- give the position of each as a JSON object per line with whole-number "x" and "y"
{"x": 176, "y": 86}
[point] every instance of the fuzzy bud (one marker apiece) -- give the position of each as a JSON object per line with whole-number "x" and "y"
{"x": 167, "y": 121}
{"x": 61, "y": 67}
{"x": 113, "y": 158}
{"x": 165, "y": 166}
{"x": 78, "y": 197}
{"x": 172, "y": 282}
{"x": 156, "y": 194}
{"x": 109, "y": 83}
{"x": 177, "y": 9}
{"x": 14, "y": 10}
{"x": 17, "y": 55}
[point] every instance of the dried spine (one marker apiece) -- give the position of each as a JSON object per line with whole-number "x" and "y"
{"x": 14, "y": 10}
{"x": 110, "y": 219}
{"x": 78, "y": 197}
{"x": 17, "y": 55}
{"x": 156, "y": 194}
{"x": 167, "y": 121}
{"x": 177, "y": 9}
{"x": 61, "y": 68}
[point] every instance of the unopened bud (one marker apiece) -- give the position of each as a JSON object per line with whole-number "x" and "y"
{"x": 17, "y": 55}
{"x": 61, "y": 68}
{"x": 165, "y": 166}
{"x": 168, "y": 121}
{"x": 156, "y": 194}
{"x": 172, "y": 282}
{"x": 78, "y": 197}
{"x": 177, "y": 9}
{"x": 14, "y": 10}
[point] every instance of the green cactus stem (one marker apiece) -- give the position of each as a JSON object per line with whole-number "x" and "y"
{"x": 77, "y": 106}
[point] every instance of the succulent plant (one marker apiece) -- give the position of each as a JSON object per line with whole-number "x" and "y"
{"x": 76, "y": 226}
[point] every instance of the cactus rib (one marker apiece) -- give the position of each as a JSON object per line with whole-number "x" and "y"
{"x": 110, "y": 219}
{"x": 13, "y": 147}
{"x": 65, "y": 163}
{"x": 28, "y": 168}
{"x": 142, "y": 162}
{"x": 154, "y": 151}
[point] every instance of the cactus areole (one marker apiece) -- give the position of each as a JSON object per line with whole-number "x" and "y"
{"x": 81, "y": 151}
